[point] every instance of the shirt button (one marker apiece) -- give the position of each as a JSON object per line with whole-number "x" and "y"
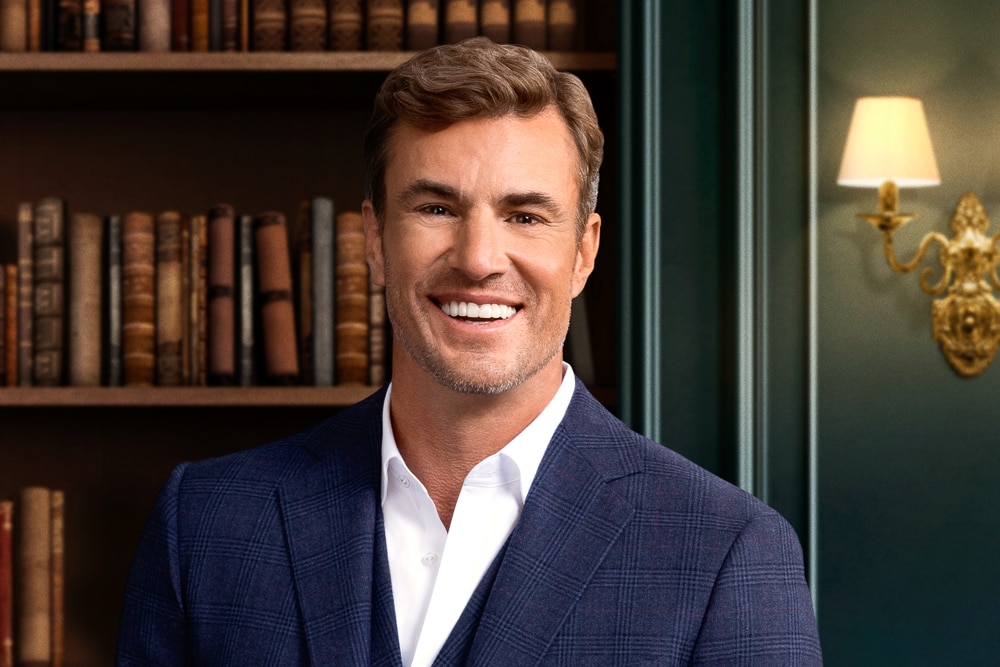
{"x": 429, "y": 559}
{"x": 405, "y": 483}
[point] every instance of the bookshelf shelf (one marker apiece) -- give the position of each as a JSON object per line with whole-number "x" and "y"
{"x": 208, "y": 397}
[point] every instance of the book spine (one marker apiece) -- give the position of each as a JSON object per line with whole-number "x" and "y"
{"x": 58, "y": 579}
{"x": 307, "y": 25}
{"x": 3, "y": 325}
{"x": 6, "y": 583}
{"x": 198, "y": 313}
{"x": 42, "y": 17}
{"x": 113, "y": 371}
{"x": 274, "y": 275}
{"x": 244, "y": 21}
{"x": 246, "y": 304}
{"x": 377, "y": 334}
{"x": 494, "y": 20}
{"x": 85, "y": 244}
{"x": 180, "y": 25}
{"x": 322, "y": 291}
{"x": 270, "y": 19}
{"x": 528, "y": 23}
{"x": 422, "y": 23}
{"x": 138, "y": 299}
{"x": 199, "y": 10}
{"x": 25, "y": 294}
{"x": 10, "y": 330}
{"x": 13, "y": 26}
{"x": 346, "y": 25}
{"x": 461, "y": 20}
{"x": 385, "y": 25}
{"x": 119, "y": 25}
{"x": 34, "y": 578}
{"x": 221, "y": 295}
{"x": 69, "y": 25}
{"x": 562, "y": 25}
{"x": 303, "y": 260}
{"x": 169, "y": 299}
{"x": 91, "y": 28}
{"x": 215, "y": 25}
{"x": 352, "y": 300}
{"x": 50, "y": 286}
{"x": 154, "y": 25}
{"x": 230, "y": 25}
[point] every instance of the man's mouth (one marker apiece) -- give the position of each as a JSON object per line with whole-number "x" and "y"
{"x": 482, "y": 312}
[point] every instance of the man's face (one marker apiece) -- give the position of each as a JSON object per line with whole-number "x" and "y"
{"x": 478, "y": 252}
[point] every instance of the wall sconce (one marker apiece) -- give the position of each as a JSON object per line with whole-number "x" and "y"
{"x": 888, "y": 146}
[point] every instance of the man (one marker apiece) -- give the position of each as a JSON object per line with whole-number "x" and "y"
{"x": 482, "y": 509}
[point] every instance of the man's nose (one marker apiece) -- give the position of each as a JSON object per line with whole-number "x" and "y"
{"x": 479, "y": 248}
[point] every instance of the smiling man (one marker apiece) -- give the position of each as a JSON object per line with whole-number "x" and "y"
{"x": 482, "y": 508}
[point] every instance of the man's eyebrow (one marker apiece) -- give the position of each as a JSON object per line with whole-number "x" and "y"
{"x": 423, "y": 187}
{"x": 530, "y": 199}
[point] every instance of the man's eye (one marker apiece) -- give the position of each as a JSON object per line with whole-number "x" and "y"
{"x": 434, "y": 209}
{"x": 524, "y": 219}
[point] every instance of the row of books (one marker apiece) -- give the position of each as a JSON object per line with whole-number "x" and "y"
{"x": 171, "y": 299}
{"x": 32, "y": 578}
{"x": 281, "y": 25}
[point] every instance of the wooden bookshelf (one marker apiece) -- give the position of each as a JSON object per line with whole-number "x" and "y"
{"x": 169, "y": 397}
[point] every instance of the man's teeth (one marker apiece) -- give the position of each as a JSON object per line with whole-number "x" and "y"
{"x": 484, "y": 311}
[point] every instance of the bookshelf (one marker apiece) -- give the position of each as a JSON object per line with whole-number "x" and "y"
{"x": 111, "y": 132}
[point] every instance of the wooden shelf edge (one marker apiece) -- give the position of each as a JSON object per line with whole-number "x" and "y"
{"x": 47, "y": 397}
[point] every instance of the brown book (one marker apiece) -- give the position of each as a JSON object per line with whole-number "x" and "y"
{"x": 199, "y": 15}
{"x": 351, "y": 293}
{"x": 221, "y": 295}
{"x": 180, "y": 25}
{"x": 34, "y": 577}
{"x": 198, "y": 301}
{"x": 245, "y": 280}
{"x": 170, "y": 299}
{"x": 41, "y": 25}
{"x": 461, "y": 20}
{"x": 528, "y": 23}
{"x": 346, "y": 25}
{"x": 307, "y": 25}
{"x": 422, "y": 23}
{"x": 113, "y": 286}
{"x": 25, "y": 294}
{"x": 562, "y": 25}
{"x": 377, "y": 334}
{"x": 119, "y": 25}
{"x": 3, "y": 325}
{"x": 243, "y": 25}
{"x": 69, "y": 24}
{"x": 270, "y": 22}
{"x": 277, "y": 310}
{"x": 10, "y": 328}
{"x": 86, "y": 243}
{"x": 304, "y": 291}
{"x": 385, "y": 25}
{"x": 231, "y": 25}
{"x": 6, "y": 583}
{"x": 58, "y": 579}
{"x": 138, "y": 299}
{"x": 91, "y": 29}
{"x": 13, "y": 26}
{"x": 154, "y": 25}
{"x": 494, "y": 20}
{"x": 50, "y": 291}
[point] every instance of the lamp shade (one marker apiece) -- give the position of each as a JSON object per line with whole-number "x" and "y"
{"x": 888, "y": 140}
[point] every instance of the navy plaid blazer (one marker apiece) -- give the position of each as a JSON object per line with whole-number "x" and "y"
{"x": 625, "y": 554}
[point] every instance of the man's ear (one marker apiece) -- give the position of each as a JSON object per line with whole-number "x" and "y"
{"x": 586, "y": 254}
{"x": 373, "y": 244}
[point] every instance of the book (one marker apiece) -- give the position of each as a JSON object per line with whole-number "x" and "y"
{"x": 528, "y": 25}
{"x": 351, "y": 300}
{"x": 138, "y": 299}
{"x": 302, "y": 260}
{"x": 6, "y": 583}
{"x": 50, "y": 291}
{"x": 461, "y": 20}
{"x": 561, "y": 24}
{"x": 231, "y": 25}
{"x": 385, "y": 25}
{"x": 69, "y": 25}
{"x": 214, "y": 25}
{"x": 112, "y": 279}
{"x": 422, "y": 24}
{"x": 307, "y": 25}
{"x": 13, "y": 25}
{"x": 42, "y": 19}
{"x": 3, "y": 325}
{"x": 221, "y": 324}
{"x": 198, "y": 300}
{"x": 10, "y": 328}
{"x": 170, "y": 298}
{"x": 494, "y": 20}
{"x": 243, "y": 25}
{"x": 180, "y": 25}
{"x": 322, "y": 301}
{"x": 377, "y": 334}
{"x": 274, "y": 291}
{"x": 25, "y": 294}
{"x": 86, "y": 232}
{"x": 346, "y": 25}
{"x": 57, "y": 578}
{"x": 245, "y": 279}
{"x": 33, "y": 584}
{"x": 199, "y": 29}
{"x": 119, "y": 25}
{"x": 90, "y": 29}
{"x": 153, "y": 29}
{"x": 269, "y": 25}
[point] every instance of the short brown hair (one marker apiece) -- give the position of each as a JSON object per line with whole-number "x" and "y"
{"x": 479, "y": 79}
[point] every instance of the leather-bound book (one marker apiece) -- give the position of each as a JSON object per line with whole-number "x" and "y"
{"x": 198, "y": 301}
{"x": 302, "y": 261}
{"x": 86, "y": 241}
{"x": 307, "y": 25}
{"x": 274, "y": 290}
{"x": 385, "y": 25}
{"x": 10, "y": 329}
{"x": 461, "y": 20}
{"x": 346, "y": 25}
{"x": 69, "y": 25}
{"x": 200, "y": 18}
{"x": 422, "y": 24}
{"x": 377, "y": 334}
{"x": 33, "y": 563}
{"x": 119, "y": 25}
{"x": 270, "y": 23}
{"x": 231, "y": 25}
{"x": 245, "y": 307}
{"x": 139, "y": 299}
{"x": 529, "y": 25}
{"x": 57, "y": 589}
{"x": 50, "y": 291}
{"x": 221, "y": 295}
{"x": 3, "y": 325}
{"x": 25, "y": 294}
{"x": 90, "y": 30}
{"x": 13, "y": 26}
{"x": 113, "y": 285}
{"x": 6, "y": 583}
{"x": 562, "y": 25}
{"x": 180, "y": 25}
{"x": 352, "y": 300}
{"x": 170, "y": 299}
{"x": 494, "y": 20}
{"x": 323, "y": 286}
{"x": 154, "y": 25}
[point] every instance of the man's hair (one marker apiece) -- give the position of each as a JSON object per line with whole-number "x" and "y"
{"x": 479, "y": 79}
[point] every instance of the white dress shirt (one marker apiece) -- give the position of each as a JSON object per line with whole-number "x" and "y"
{"x": 435, "y": 571}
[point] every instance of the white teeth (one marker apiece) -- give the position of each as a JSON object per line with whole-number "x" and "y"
{"x": 486, "y": 311}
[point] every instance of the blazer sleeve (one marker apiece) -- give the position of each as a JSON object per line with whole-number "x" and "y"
{"x": 152, "y": 628}
{"x": 760, "y": 611}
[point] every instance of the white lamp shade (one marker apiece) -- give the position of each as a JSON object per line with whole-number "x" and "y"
{"x": 888, "y": 140}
